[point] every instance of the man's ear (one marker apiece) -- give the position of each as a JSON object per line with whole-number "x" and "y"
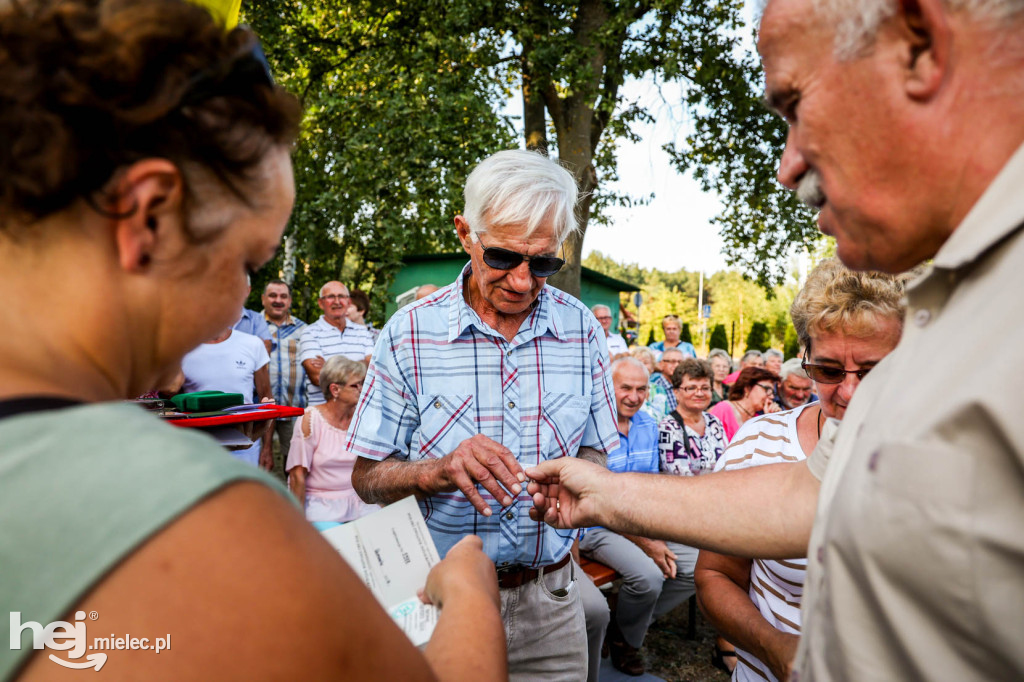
{"x": 924, "y": 28}
{"x": 150, "y": 196}
{"x": 462, "y": 229}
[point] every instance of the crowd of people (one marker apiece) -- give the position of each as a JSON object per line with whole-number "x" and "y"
{"x": 841, "y": 515}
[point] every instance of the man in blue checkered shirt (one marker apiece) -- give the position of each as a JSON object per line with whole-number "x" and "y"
{"x": 491, "y": 374}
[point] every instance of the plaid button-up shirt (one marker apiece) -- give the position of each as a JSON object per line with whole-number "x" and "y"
{"x": 440, "y": 375}
{"x": 286, "y": 374}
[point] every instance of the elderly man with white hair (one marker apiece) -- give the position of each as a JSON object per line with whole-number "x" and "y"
{"x": 795, "y": 388}
{"x": 906, "y": 132}
{"x": 616, "y": 344}
{"x": 496, "y": 372}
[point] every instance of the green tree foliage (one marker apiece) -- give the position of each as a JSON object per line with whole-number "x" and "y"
{"x": 718, "y": 338}
{"x": 734, "y": 150}
{"x": 400, "y": 103}
{"x": 791, "y": 345}
{"x": 401, "y": 98}
{"x": 684, "y": 335}
{"x": 758, "y": 337}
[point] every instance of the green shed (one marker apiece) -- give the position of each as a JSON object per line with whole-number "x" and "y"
{"x": 441, "y": 269}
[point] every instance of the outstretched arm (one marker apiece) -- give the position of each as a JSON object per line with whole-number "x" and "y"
{"x": 771, "y": 508}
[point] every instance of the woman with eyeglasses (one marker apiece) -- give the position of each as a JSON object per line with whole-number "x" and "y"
{"x": 691, "y": 440}
{"x": 751, "y": 394}
{"x": 319, "y": 465}
{"x": 848, "y": 321}
{"x": 146, "y": 162}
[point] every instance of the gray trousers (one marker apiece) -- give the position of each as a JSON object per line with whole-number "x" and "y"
{"x": 645, "y": 594}
{"x": 544, "y": 627}
{"x": 595, "y": 609}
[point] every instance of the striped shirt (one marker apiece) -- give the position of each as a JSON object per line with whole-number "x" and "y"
{"x": 776, "y": 586}
{"x": 287, "y": 377}
{"x": 440, "y": 375}
{"x": 325, "y": 340}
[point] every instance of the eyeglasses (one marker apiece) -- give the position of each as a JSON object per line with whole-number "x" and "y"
{"x": 767, "y": 387}
{"x": 827, "y": 374}
{"x": 503, "y": 259}
{"x": 335, "y": 297}
{"x": 689, "y": 390}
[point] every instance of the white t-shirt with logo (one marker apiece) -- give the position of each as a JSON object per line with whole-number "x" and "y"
{"x": 227, "y": 366}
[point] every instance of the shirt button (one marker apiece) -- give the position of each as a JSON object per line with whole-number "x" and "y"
{"x": 922, "y": 317}
{"x": 504, "y": 563}
{"x": 437, "y": 404}
{"x": 511, "y": 405}
{"x": 509, "y": 515}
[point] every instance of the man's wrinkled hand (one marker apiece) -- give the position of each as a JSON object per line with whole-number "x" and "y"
{"x": 481, "y": 460}
{"x": 662, "y": 556}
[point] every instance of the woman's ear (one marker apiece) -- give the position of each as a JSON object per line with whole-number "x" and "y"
{"x": 150, "y": 200}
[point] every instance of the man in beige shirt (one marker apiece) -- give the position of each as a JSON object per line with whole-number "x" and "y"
{"x": 907, "y": 132}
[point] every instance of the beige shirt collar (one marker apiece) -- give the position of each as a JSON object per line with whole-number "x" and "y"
{"x": 995, "y": 216}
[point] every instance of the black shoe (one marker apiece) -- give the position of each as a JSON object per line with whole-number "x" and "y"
{"x": 626, "y": 659}
{"x": 718, "y": 657}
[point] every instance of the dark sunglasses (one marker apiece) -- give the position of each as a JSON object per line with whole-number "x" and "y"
{"x": 503, "y": 259}
{"x": 826, "y": 374}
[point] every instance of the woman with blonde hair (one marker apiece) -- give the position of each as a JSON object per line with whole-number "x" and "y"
{"x": 848, "y": 321}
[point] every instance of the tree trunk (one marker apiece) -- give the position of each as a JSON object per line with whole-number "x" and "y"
{"x": 574, "y": 121}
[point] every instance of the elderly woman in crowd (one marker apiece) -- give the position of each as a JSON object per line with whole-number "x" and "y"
{"x": 319, "y": 467}
{"x": 721, "y": 365}
{"x": 848, "y": 321}
{"x": 146, "y": 162}
{"x": 751, "y": 394}
{"x": 690, "y": 440}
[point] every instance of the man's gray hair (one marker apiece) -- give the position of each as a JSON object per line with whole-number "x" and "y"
{"x": 751, "y": 354}
{"x": 629, "y": 360}
{"x": 600, "y": 306}
{"x": 719, "y": 353}
{"x": 792, "y": 366}
{"x": 519, "y": 187}
{"x": 774, "y": 353}
{"x": 857, "y": 21}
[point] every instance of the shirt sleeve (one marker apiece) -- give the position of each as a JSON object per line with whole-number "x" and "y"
{"x": 387, "y": 414}
{"x": 261, "y": 329}
{"x": 601, "y": 432}
{"x": 260, "y": 356}
{"x": 302, "y": 447}
{"x": 309, "y": 345}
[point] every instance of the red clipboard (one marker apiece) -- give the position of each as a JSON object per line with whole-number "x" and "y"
{"x": 262, "y": 413}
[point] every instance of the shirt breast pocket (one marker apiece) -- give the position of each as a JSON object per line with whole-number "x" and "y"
{"x": 563, "y": 419}
{"x": 445, "y": 421}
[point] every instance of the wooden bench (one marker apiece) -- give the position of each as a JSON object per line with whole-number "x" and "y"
{"x": 602, "y": 575}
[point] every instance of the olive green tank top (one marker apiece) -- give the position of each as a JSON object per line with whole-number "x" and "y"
{"x": 80, "y": 489}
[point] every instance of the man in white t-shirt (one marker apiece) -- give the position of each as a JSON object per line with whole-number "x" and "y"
{"x": 233, "y": 362}
{"x": 616, "y": 344}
